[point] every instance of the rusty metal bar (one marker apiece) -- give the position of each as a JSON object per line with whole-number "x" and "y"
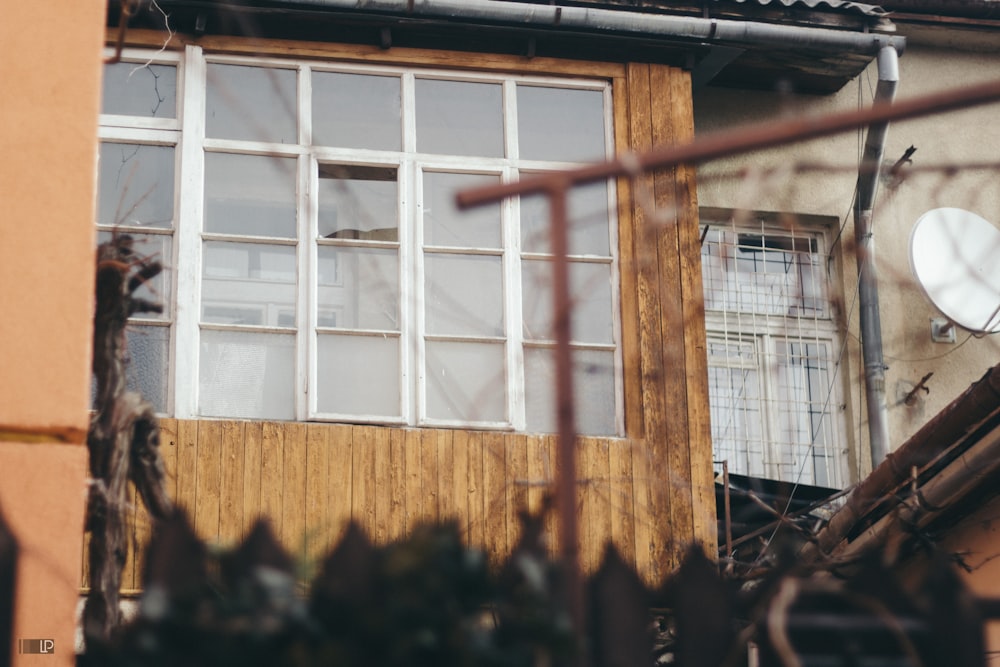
{"x": 566, "y": 413}
{"x": 741, "y": 140}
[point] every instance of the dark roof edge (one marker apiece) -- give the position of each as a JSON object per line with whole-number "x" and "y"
{"x": 947, "y": 435}
{"x": 595, "y": 20}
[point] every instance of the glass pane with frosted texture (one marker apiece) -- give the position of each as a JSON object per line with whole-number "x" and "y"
{"x": 148, "y": 363}
{"x": 356, "y": 111}
{"x": 593, "y": 388}
{"x": 134, "y": 89}
{"x": 246, "y": 375}
{"x": 465, "y": 381}
{"x": 589, "y": 219}
{"x": 357, "y": 202}
{"x": 359, "y": 375}
{"x": 769, "y": 274}
{"x": 248, "y": 283}
{"x": 250, "y": 195}
{"x": 805, "y": 408}
{"x": 358, "y": 288}
{"x": 464, "y": 295}
{"x": 736, "y": 409}
{"x": 560, "y": 124}
{"x": 150, "y": 247}
{"x": 459, "y": 118}
{"x": 590, "y": 301}
{"x": 445, "y": 225}
{"x": 136, "y": 185}
{"x": 251, "y": 104}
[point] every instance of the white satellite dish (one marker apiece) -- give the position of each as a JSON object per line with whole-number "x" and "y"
{"x": 955, "y": 257}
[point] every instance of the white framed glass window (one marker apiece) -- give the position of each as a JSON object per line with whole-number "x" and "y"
{"x": 320, "y": 268}
{"x": 773, "y": 351}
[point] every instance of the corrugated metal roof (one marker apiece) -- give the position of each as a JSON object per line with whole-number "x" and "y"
{"x": 843, "y": 5}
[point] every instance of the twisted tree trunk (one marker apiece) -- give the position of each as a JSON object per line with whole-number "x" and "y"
{"x": 124, "y": 434}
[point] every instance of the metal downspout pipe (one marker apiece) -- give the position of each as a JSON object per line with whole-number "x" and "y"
{"x": 870, "y": 320}
{"x": 616, "y": 21}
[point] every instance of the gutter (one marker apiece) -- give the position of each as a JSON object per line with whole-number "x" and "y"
{"x": 700, "y": 30}
{"x": 870, "y": 320}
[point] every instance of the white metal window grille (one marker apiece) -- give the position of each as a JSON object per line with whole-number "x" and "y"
{"x": 772, "y": 352}
{"x": 320, "y": 269}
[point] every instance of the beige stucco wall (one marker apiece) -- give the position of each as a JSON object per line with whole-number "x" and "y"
{"x": 50, "y": 69}
{"x": 963, "y": 137}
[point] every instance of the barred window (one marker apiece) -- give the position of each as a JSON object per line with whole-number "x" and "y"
{"x": 772, "y": 352}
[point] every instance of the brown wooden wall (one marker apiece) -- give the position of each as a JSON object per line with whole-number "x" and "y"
{"x": 650, "y": 493}
{"x": 310, "y": 479}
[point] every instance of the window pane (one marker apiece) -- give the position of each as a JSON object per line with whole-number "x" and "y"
{"x": 134, "y": 89}
{"x": 590, "y": 300}
{"x": 805, "y": 416}
{"x": 358, "y": 288}
{"x": 248, "y": 283}
{"x": 736, "y": 413}
{"x": 593, "y": 385}
{"x": 589, "y": 220}
{"x": 250, "y": 195}
{"x": 560, "y": 124}
{"x": 251, "y": 103}
{"x": 770, "y": 274}
{"x": 247, "y": 375}
{"x": 359, "y": 375}
{"x": 154, "y": 247}
{"x": 148, "y": 363}
{"x": 356, "y": 111}
{"x": 445, "y": 225}
{"x": 358, "y": 202}
{"x": 466, "y": 381}
{"x": 464, "y": 295}
{"x": 459, "y": 118}
{"x": 136, "y": 185}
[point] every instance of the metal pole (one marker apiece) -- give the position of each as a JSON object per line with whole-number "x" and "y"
{"x": 566, "y": 481}
{"x": 869, "y": 319}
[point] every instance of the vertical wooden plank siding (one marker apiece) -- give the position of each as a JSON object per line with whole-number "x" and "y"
{"x": 252, "y": 468}
{"x": 231, "y": 502}
{"x": 317, "y": 537}
{"x": 382, "y": 486}
{"x": 460, "y": 485}
{"x": 272, "y": 457}
{"x": 413, "y": 506}
{"x": 208, "y": 479}
{"x": 363, "y": 507}
{"x": 477, "y": 490}
{"x": 494, "y": 496}
{"x": 677, "y": 471}
{"x": 516, "y": 491}
{"x": 445, "y": 475}
{"x": 340, "y": 495}
{"x": 650, "y": 548}
{"x": 699, "y": 435}
{"x": 649, "y": 493}
{"x": 293, "y": 491}
{"x": 397, "y": 484}
{"x": 620, "y": 492}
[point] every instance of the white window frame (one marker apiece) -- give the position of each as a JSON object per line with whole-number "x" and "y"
{"x": 765, "y": 333}
{"x": 187, "y": 133}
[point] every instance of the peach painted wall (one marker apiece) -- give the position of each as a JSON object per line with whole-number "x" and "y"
{"x": 50, "y": 53}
